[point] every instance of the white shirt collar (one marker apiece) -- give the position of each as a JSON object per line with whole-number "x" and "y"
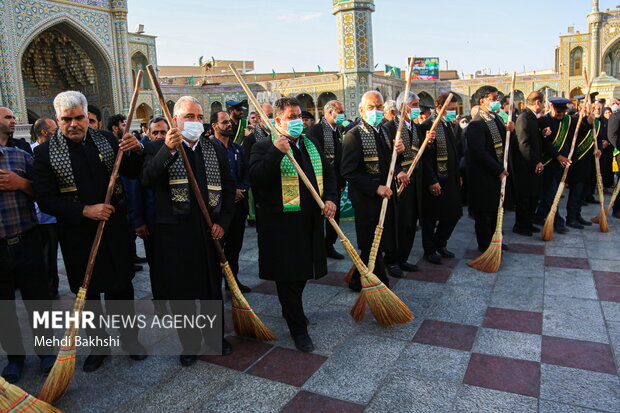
{"x": 193, "y": 148}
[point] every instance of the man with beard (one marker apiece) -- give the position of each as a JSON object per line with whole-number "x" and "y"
{"x": 239, "y": 171}
{"x": 7, "y": 128}
{"x": 485, "y": 163}
{"x": 185, "y": 255}
{"x": 328, "y": 134}
{"x": 366, "y": 156}
{"x": 438, "y": 183}
{"x": 261, "y": 131}
{"x": 238, "y": 122}
{"x": 71, "y": 176}
{"x": 290, "y": 226}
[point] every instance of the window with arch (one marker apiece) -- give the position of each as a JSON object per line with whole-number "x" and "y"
{"x": 576, "y": 61}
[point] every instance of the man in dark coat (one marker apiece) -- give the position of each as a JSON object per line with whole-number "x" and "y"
{"x": 185, "y": 255}
{"x": 366, "y": 155}
{"x": 71, "y": 175}
{"x": 328, "y": 134}
{"x": 438, "y": 184}
{"x": 485, "y": 163}
{"x": 613, "y": 135}
{"x": 7, "y": 128}
{"x": 407, "y": 201}
{"x": 526, "y": 164}
{"x": 291, "y": 243}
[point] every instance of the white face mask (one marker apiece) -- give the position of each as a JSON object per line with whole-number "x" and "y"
{"x": 192, "y": 130}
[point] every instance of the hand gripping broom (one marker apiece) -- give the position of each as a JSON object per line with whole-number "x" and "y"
{"x": 245, "y": 320}
{"x": 385, "y": 306}
{"x": 64, "y": 368}
{"x": 547, "y": 232}
{"x": 491, "y": 259}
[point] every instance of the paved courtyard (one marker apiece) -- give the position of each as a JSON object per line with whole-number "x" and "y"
{"x": 541, "y": 335}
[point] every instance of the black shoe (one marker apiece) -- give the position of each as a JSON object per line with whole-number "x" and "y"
{"x": 561, "y": 230}
{"x": 405, "y": 266}
{"x": 13, "y": 372}
{"x": 355, "y": 285}
{"x": 616, "y": 214}
{"x": 303, "y": 342}
{"x": 135, "y": 349}
{"x": 187, "y": 361}
{"x": 538, "y": 221}
{"x": 242, "y": 287}
{"x": 137, "y": 268}
{"x": 583, "y": 221}
{"x": 445, "y": 253}
{"x": 332, "y": 253}
{"x": 522, "y": 231}
{"x": 574, "y": 224}
{"x": 534, "y": 229}
{"x": 433, "y": 258}
{"x": 92, "y": 363}
{"x": 505, "y": 247}
{"x": 139, "y": 260}
{"x": 227, "y": 348}
{"x": 47, "y": 363}
{"x": 591, "y": 200}
{"x": 394, "y": 271}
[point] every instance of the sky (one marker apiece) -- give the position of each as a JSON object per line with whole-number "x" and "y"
{"x": 496, "y": 36}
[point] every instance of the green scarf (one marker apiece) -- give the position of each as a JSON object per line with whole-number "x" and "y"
{"x": 291, "y": 197}
{"x": 240, "y": 136}
{"x": 588, "y": 142}
{"x": 560, "y": 138}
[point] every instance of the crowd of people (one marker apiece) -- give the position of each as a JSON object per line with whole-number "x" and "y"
{"x": 52, "y": 194}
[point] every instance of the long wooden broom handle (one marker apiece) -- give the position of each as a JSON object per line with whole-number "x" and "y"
{"x": 110, "y": 190}
{"x": 597, "y": 162}
{"x": 502, "y": 192}
{"x": 190, "y": 172}
{"x": 425, "y": 141}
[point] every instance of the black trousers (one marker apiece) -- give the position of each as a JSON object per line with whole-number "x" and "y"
{"x": 290, "y": 296}
{"x": 233, "y": 239}
{"x": 49, "y": 238}
{"x": 524, "y": 211}
{"x": 407, "y": 224}
{"x": 485, "y": 223}
{"x": 117, "y": 301}
{"x": 192, "y": 338}
{"x": 552, "y": 175}
{"x": 22, "y": 267}
{"x": 330, "y": 233}
{"x": 435, "y": 234}
{"x": 579, "y": 183}
{"x": 607, "y": 172}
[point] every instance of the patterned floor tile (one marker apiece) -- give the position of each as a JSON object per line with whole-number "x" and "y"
{"x": 276, "y": 365}
{"x": 443, "y": 334}
{"x": 505, "y": 374}
{"x": 585, "y": 355}
{"x": 513, "y": 320}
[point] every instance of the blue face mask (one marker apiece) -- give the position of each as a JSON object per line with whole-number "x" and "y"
{"x": 294, "y": 127}
{"x": 450, "y": 115}
{"x": 414, "y": 114}
{"x": 272, "y": 121}
{"x": 373, "y": 117}
{"x": 494, "y": 106}
{"x": 339, "y": 119}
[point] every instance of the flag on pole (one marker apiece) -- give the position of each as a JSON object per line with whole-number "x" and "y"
{"x": 191, "y": 80}
{"x": 273, "y": 74}
{"x": 320, "y": 70}
{"x": 294, "y": 73}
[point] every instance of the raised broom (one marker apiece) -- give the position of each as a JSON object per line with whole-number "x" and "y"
{"x": 416, "y": 160}
{"x": 490, "y": 259}
{"x": 245, "y": 320}
{"x": 611, "y": 202}
{"x": 15, "y": 400}
{"x": 385, "y": 306}
{"x": 64, "y": 367}
{"x": 547, "y": 232}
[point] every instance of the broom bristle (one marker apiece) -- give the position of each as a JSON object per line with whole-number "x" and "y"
{"x": 359, "y": 308}
{"x": 247, "y": 323}
{"x": 349, "y": 275}
{"x": 603, "y": 226}
{"x": 596, "y": 219}
{"x": 13, "y": 400}
{"x": 62, "y": 372}
{"x": 384, "y": 305}
{"x": 491, "y": 258}
{"x": 547, "y": 232}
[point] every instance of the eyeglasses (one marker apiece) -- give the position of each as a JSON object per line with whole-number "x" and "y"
{"x": 224, "y": 122}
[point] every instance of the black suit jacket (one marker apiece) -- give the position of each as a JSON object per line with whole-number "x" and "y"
{"x": 20, "y": 144}
{"x": 613, "y": 129}
{"x": 316, "y": 132}
{"x": 525, "y": 153}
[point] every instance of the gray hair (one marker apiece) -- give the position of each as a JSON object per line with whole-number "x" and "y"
{"x": 410, "y": 98}
{"x": 179, "y": 103}
{"x": 331, "y": 105}
{"x": 69, "y": 100}
{"x": 390, "y": 105}
{"x": 370, "y": 92}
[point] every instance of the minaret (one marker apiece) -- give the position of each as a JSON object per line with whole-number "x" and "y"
{"x": 354, "y": 49}
{"x": 594, "y": 22}
{"x": 125, "y": 83}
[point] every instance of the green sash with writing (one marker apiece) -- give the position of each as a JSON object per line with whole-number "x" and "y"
{"x": 588, "y": 142}
{"x": 240, "y": 136}
{"x": 560, "y": 138}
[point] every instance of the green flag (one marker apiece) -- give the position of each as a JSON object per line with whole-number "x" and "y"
{"x": 320, "y": 70}
{"x": 294, "y": 73}
{"x": 191, "y": 80}
{"x": 273, "y": 74}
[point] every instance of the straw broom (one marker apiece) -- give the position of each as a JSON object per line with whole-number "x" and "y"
{"x": 417, "y": 158}
{"x": 490, "y": 259}
{"x": 64, "y": 367}
{"x": 547, "y": 232}
{"x": 385, "y": 306}
{"x": 14, "y": 400}
{"x": 245, "y": 320}
{"x": 611, "y": 203}
{"x": 602, "y": 216}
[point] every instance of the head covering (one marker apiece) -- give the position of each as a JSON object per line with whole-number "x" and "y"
{"x": 306, "y": 115}
{"x": 425, "y": 108}
{"x": 559, "y": 102}
{"x": 236, "y": 104}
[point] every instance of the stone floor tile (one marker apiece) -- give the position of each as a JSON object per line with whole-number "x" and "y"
{"x": 546, "y": 406}
{"x": 435, "y": 275}
{"x": 567, "y": 262}
{"x": 574, "y": 318}
{"x": 580, "y": 387}
{"x": 562, "y": 251}
{"x": 444, "y": 334}
{"x": 569, "y": 283}
{"x": 471, "y": 277}
{"x": 513, "y": 320}
{"x": 245, "y": 353}
{"x": 585, "y": 355}
{"x": 333, "y": 278}
{"x": 305, "y": 401}
{"x": 603, "y": 265}
{"x": 287, "y": 366}
{"x": 504, "y": 374}
{"x": 460, "y": 304}
{"x": 523, "y": 265}
{"x": 509, "y": 344}
{"x": 518, "y": 248}
{"x": 518, "y": 293}
{"x": 611, "y": 311}
{"x": 472, "y": 399}
{"x": 433, "y": 362}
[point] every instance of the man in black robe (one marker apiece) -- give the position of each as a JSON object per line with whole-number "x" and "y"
{"x": 439, "y": 186}
{"x": 239, "y": 123}
{"x": 613, "y": 136}
{"x": 366, "y": 155}
{"x": 291, "y": 243}
{"x": 184, "y": 252}
{"x": 526, "y": 164}
{"x": 71, "y": 175}
{"x": 328, "y": 133}
{"x": 485, "y": 163}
